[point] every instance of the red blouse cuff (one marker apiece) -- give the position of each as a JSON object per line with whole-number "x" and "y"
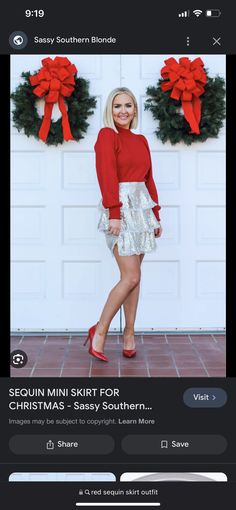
{"x": 114, "y": 213}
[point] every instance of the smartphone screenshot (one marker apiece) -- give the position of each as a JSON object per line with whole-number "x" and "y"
{"x": 117, "y": 365}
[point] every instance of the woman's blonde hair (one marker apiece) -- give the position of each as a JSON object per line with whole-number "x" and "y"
{"x": 108, "y": 117}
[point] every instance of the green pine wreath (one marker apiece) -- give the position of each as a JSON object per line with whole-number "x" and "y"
{"x": 26, "y": 118}
{"x": 173, "y": 127}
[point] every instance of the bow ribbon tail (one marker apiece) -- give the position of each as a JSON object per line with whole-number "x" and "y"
{"x": 190, "y": 115}
{"x": 46, "y": 122}
{"x": 197, "y": 108}
{"x": 65, "y": 121}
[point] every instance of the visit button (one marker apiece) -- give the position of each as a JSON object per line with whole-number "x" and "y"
{"x": 205, "y": 397}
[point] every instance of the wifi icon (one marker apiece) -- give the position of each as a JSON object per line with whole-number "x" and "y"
{"x": 197, "y": 12}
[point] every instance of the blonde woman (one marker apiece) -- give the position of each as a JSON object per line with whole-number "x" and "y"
{"x": 129, "y": 212}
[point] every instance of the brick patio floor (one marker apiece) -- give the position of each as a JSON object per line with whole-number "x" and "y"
{"x": 170, "y": 355}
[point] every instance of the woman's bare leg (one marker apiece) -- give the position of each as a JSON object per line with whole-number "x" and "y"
{"x": 130, "y": 306}
{"x": 129, "y": 278}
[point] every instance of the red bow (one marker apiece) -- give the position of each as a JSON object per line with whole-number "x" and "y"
{"x": 55, "y": 80}
{"x": 187, "y": 79}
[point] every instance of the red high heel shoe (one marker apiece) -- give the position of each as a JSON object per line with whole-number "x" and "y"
{"x": 96, "y": 354}
{"x": 129, "y": 353}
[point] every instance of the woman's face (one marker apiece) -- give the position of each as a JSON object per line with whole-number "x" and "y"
{"x": 123, "y": 110}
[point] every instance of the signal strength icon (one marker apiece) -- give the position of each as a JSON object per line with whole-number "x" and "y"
{"x": 184, "y": 14}
{"x": 197, "y": 12}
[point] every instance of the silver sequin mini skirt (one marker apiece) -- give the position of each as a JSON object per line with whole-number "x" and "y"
{"x": 138, "y": 221}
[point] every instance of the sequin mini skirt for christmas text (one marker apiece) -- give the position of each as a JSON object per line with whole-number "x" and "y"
{"x": 137, "y": 221}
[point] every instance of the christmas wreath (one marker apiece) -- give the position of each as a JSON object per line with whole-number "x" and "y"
{"x": 188, "y": 104}
{"x": 56, "y": 82}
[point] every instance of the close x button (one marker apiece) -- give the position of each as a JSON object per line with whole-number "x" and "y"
{"x": 205, "y": 397}
{"x": 216, "y": 41}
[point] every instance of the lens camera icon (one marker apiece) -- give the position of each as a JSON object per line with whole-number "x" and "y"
{"x": 18, "y": 359}
{"x": 18, "y": 40}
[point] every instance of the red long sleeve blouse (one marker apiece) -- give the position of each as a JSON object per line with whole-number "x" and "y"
{"x": 122, "y": 157}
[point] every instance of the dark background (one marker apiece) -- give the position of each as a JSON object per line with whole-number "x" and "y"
{"x": 168, "y": 408}
{"x": 148, "y": 27}
{"x": 172, "y": 496}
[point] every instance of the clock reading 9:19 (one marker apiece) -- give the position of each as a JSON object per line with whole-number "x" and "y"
{"x": 37, "y": 13}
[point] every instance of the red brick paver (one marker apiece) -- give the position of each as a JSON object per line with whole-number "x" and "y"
{"x": 160, "y": 355}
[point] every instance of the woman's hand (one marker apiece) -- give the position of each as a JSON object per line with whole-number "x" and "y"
{"x": 114, "y": 227}
{"x": 158, "y": 231}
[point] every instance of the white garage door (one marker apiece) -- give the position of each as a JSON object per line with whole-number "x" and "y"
{"x": 61, "y": 268}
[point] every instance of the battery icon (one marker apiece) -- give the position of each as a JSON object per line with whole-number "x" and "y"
{"x": 213, "y": 13}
